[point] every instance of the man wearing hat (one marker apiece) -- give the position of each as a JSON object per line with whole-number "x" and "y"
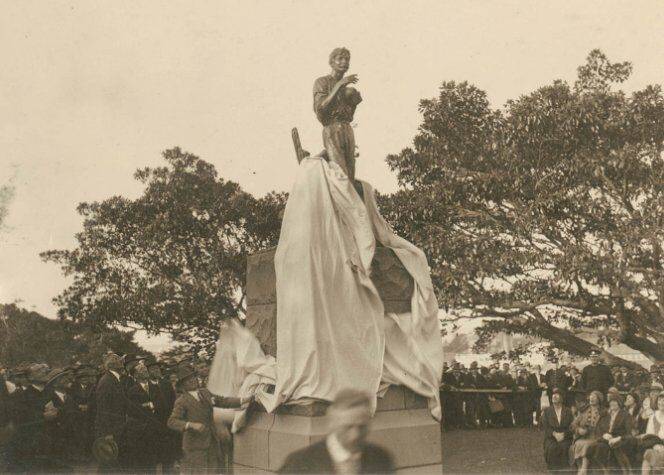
{"x": 596, "y": 376}
{"x": 192, "y": 416}
{"x": 111, "y": 411}
{"x": 143, "y": 433}
{"x": 83, "y": 393}
{"x": 28, "y": 449}
{"x": 162, "y": 395}
{"x": 130, "y": 360}
{"x": 345, "y": 450}
{"x": 61, "y": 422}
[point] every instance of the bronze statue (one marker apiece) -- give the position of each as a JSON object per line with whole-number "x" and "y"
{"x": 334, "y": 105}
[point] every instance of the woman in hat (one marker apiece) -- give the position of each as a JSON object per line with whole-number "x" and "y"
{"x": 193, "y": 416}
{"x": 584, "y": 427}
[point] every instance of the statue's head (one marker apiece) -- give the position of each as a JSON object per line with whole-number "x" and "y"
{"x": 340, "y": 59}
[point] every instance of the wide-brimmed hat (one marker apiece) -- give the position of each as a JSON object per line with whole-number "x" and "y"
{"x": 105, "y": 450}
{"x": 150, "y": 360}
{"x": 130, "y": 360}
{"x": 55, "y": 374}
{"x": 184, "y": 372}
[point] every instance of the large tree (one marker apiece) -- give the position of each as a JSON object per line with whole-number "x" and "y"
{"x": 173, "y": 259}
{"x": 27, "y": 337}
{"x": 545, "y": 217}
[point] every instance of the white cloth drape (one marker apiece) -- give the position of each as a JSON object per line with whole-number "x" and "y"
{"x": 332, "y": 330}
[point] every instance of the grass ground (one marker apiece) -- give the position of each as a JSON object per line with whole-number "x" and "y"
{"x": 493, "y": 451}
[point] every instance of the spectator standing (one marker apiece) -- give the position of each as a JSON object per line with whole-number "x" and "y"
{"x": 597, "y": 376}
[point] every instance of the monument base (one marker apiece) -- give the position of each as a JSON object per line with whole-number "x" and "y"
{"x": 402, "y": 425}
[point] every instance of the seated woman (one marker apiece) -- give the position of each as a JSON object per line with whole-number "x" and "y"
{"x": 614, "y": 430}
{"x": 584, "y": 431}
{"x": 653, "y": 458}
{"x": 557, "y": 420}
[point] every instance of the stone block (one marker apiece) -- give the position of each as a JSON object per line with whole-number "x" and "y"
{"x": 290, "y": 433}
{"x": 414, "y": 401}
{"x": 261, "y": 279}
{"x": 390, "y": 277}
{"x": 262, "y": 322}
{"x": 393, "y": 400}
{"x": 250, "y": 445}
{"x": 412, "y": 436}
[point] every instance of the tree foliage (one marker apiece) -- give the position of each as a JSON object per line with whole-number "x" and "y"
{"x": 30, "y": 337}
{"x": 6, "y": 195}
{"x": 546, "y": 216}
{"x": 172, "y": 260}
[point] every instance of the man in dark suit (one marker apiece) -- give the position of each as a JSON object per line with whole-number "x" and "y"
{"x": 596, "y": 376}
{"x": 111, "y": 408}
{"x": 28, "y": 449}
{"x": 345, "y": 450}
{"x": 162, "y": 395}
{"x": 143, "y": 433}
{"x": 539, "y": 383}
{"x": 61, "y": 427}
{"x": 83, "y": 393}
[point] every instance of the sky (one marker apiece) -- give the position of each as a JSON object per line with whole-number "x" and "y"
{"x": 90, "y": 91}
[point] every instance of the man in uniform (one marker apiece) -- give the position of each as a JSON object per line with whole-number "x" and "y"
{"x": 596, "y": 376}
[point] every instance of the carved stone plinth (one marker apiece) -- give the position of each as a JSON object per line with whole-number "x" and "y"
{"x": 402, "y": 425}
{"x": 391, "y": 279}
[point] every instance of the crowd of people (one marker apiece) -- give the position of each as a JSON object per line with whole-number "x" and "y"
{"x": 134, "y": 413}
{"x": 598, "y": 417}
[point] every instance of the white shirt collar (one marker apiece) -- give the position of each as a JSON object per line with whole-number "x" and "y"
{"x": 194, "y": 394}
{"x": 61, "y": 395}
{"x": 115, "y": 373}
{"x": 38, "y": 387}
{"x": 145, "y": 387}
{"x": 338, "y": 453}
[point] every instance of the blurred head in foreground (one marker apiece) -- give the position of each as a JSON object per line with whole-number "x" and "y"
{"x": 350, "y": 415}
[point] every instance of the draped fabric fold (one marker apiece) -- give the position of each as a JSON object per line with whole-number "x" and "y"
{"x": 332, "y": 330}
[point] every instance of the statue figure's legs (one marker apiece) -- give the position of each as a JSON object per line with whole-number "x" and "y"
{"x": 339, "y": 142}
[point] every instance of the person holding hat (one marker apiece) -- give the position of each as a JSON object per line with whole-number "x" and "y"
{"x": 345, "y": 449}
{"x": 193, "y": 417}
{"x": 597, "y": 376}
{"x": 557, "y": 421}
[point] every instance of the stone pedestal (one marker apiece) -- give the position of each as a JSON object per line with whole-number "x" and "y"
{"x": 402, "y": 423}
{"x": 391, "y": 279}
